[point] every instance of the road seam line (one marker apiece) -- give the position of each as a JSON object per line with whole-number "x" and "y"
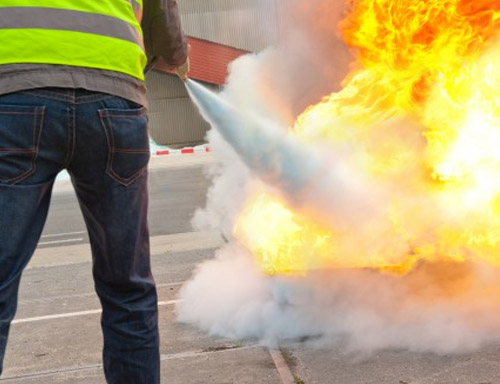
{"x": 76, "y": 314}
{"x": 59, "y": 241}
{"x": 52, "y": 372}
{"x": 82, "y": 295}
{"x": 92, "y": 367}
{"x": 183, "y": 355}
{"x": 62, "y": 234}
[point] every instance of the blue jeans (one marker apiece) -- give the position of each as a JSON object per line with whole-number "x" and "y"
{"x": 103, "y": 142}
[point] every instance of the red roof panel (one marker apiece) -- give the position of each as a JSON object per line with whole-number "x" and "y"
{"x": 209, "y": 60}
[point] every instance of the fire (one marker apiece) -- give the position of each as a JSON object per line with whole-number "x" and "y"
{"x": 422, "y": 107}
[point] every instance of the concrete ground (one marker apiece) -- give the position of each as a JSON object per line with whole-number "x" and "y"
{"x": 56, "y": 337}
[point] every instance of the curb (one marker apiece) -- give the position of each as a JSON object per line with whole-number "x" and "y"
{"x": 282, "y": 367}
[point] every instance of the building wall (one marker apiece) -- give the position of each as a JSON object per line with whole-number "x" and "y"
{"x": 173, "y": 119}
{"x": 251, "y": 25}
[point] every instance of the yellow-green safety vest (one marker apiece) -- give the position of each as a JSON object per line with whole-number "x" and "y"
{"x": 102, "y": 34}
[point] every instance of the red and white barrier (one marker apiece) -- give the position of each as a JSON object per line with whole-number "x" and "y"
{"x": 183, "y": 151}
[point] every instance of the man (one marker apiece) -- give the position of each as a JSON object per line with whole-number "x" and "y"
{"x": 72, "y": 96}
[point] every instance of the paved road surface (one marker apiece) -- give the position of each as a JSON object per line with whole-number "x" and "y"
{"x": 56, "y": 337}
{"x": 175, "y": 193}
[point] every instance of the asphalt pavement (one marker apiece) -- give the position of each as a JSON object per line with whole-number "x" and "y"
{"x": 56, "y": 337}
{"x": 176, "y": 189}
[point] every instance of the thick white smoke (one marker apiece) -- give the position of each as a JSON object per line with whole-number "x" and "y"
{"x": 277, "y": 84}
{"x": 439, "y": 307}
{"x": 362, "y": 310}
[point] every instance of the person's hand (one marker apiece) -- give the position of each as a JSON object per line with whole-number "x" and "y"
{"x": 183, "y": 70}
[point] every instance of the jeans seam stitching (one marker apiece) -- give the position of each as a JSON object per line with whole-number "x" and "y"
{"x": 109, "y": 139}
{"x": 16, "y": 113}
{"x": 41, "y": 116}
{"x": 37, "y": 126}
{"x": 66, "y": 160}
{"x": 126, "y": 181}
{"x": 79, "y": 100}
{"x": 18, "y": 150}
{"x": 68, "y": 129}
{"x": 111, "y": 150}
{"x": 73, "y": 129}
{"x": 91, "y": 99}
{"x": 42, "y": 94}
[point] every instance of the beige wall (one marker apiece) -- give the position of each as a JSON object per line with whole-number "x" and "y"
{"x": 173, "y": 119}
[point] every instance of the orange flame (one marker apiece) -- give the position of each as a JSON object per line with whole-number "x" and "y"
{"x": 422, "y": 105}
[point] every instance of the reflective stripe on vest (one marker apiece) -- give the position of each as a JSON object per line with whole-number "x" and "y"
{"x": 104, "y": 34}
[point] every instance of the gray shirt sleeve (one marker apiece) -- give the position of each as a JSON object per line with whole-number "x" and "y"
{"x": 163, "y": 35}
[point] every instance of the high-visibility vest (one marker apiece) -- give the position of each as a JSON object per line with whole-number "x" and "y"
{"x": 102, "y": 34}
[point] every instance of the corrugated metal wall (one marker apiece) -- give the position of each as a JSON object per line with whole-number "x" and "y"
{"x": 173, "y": 119}
{"x": 251, "y": 25}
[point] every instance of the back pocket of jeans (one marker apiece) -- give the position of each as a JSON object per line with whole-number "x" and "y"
{"x": 128, "y": 139}
{"x": 20, "y": 130}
